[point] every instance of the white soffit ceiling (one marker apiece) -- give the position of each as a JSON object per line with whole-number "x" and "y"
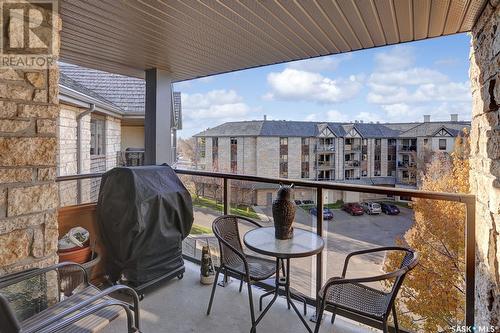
{"x": 191, "y": 38}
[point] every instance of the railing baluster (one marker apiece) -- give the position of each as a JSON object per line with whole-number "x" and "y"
{"x": 226, "y": 196}
{"x": 470, "y": 260}
{"x": 319, "y": 231}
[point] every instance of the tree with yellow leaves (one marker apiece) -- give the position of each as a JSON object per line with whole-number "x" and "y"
{"x": 432, "y": 298}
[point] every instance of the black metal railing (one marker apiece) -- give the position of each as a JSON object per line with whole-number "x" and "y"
{"x": 467, "y": 199}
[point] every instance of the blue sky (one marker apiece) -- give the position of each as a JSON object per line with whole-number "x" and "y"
{"x": 388, "y": 84}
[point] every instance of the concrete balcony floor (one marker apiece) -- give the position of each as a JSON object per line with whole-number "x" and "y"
{"x": 180, "y": 306}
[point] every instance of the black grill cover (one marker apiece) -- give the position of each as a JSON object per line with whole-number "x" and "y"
{"x": 144, "y": 213}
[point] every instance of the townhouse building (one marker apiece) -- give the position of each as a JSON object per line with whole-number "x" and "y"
{"x": 380, "y": 154}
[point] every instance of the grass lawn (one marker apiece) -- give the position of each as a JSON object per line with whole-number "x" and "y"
{"x": 245, "y": 211}
{"x": 199, "y": 230}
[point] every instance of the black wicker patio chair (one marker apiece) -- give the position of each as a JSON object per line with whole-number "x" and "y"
{"x": 234, "y": 261}
{"x": 352, "y": 295}
{"x": 86, "y": 309}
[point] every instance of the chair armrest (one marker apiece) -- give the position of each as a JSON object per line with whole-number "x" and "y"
{"x": 92, "y": 299}
{"x": 21, "y": 276}
{"x": 246, "y": 219}
{"x": 85, "y": 313}
{"x": 340, "y": 280}
{"x": 377, "y": 249}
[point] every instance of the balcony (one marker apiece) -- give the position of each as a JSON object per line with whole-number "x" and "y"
{"x": 352, "y": 147}
{"x": 351, "y": 164}
{"x": 326, "y": 165}
{"x": 407, "y": 149}
{"x": 231, "y": 308}
{"x": 406, "y": 165}
{"x": 325, "y": 148}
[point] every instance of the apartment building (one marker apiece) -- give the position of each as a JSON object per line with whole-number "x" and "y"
{"x": 388, "y": 154}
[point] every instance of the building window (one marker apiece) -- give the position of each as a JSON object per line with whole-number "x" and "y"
{"x": 377, "y": 157}
{"x": 201, "y": 147}
{"x": 377, "y": 142}
{"x": 442, "y": 144}
{"x": 391, "y": 142}
{"x": 215, "y": 154}
{"x": 283, "y": 157}
{"x": 426, "y": 141}
{"x": 234, "y": 155}
{"x": 97, "y": 136}
{"x": 304, "y": 169}
{"x": 389, "y": 157}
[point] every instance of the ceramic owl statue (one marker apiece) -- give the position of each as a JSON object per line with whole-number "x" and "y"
{"x": 284, "y": 212}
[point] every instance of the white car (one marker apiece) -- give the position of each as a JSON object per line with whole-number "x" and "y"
{"x": 371, "y": 207}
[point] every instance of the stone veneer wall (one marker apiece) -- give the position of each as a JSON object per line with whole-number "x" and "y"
{"x": 113, "y": 141}
{"x": 485, "y": 161}
{"x": 29, "y": 108}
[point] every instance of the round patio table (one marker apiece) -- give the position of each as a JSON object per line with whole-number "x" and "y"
{"x": 303, "y": 244}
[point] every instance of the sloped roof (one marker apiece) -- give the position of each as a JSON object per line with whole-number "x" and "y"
{"x": 310, "y": 129}
{"x": 127, "y": 93}
{"x": 369, "y": 130}
{"x": 239, "y": 128}
{"x": 289, "y": 128}
{"x": 68, "y": 82}
{"x": 431, "y": 128}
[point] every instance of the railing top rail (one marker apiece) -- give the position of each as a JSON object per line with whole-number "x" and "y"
{"x": 459, "y": 197}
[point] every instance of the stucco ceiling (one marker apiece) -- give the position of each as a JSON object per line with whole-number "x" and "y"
{"x": 191, "y": 38}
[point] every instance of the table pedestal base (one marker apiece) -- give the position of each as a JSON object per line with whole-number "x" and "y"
{"x": 283, "y": 282}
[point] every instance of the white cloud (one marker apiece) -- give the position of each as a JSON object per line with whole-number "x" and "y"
{"x": 411, "y": 76}
{"x": 403, "y": 90}
{"x": 430, "y": 92}
{"x": 440, "y": 111}
{"x": 311, "y": 117}
{"x": 337, "y": 116}
{"x": 320, "y": 64}
{"x": 203, "y": 110}
{"x": 396, "y": 58}
{"x": 293, "y": 84}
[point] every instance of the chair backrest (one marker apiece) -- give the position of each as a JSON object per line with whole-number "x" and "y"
{"x": 8, "y": 320}
{"x": 409, "y": 261}
{"x": 226, "y": 231}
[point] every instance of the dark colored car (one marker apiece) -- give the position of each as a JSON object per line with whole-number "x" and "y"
{"x": 308, "y": 202}
{"x": 298, "y": 202}
{"x": 389, "y": 209}
{"x": 327, "y": 213}
{"x": 353, "y": 208}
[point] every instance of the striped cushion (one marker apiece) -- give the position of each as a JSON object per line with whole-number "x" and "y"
{"x": 91, "y": 323}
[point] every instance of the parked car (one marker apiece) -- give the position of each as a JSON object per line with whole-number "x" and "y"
{"x": 298, "y": 202}
{"x": 353, "y": 208}
{"x": 327, "y": 213}
{"x": 307, "y": 202}
{"x": 371, "y": 207}
{"x": 389, "y": 209}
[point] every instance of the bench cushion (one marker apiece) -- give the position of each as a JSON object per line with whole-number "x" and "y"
{"x": 91, "y": 323}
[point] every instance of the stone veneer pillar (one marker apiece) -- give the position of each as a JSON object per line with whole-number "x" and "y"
{"x": 29, "y": 108}
{"x": 485, "y": 160}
